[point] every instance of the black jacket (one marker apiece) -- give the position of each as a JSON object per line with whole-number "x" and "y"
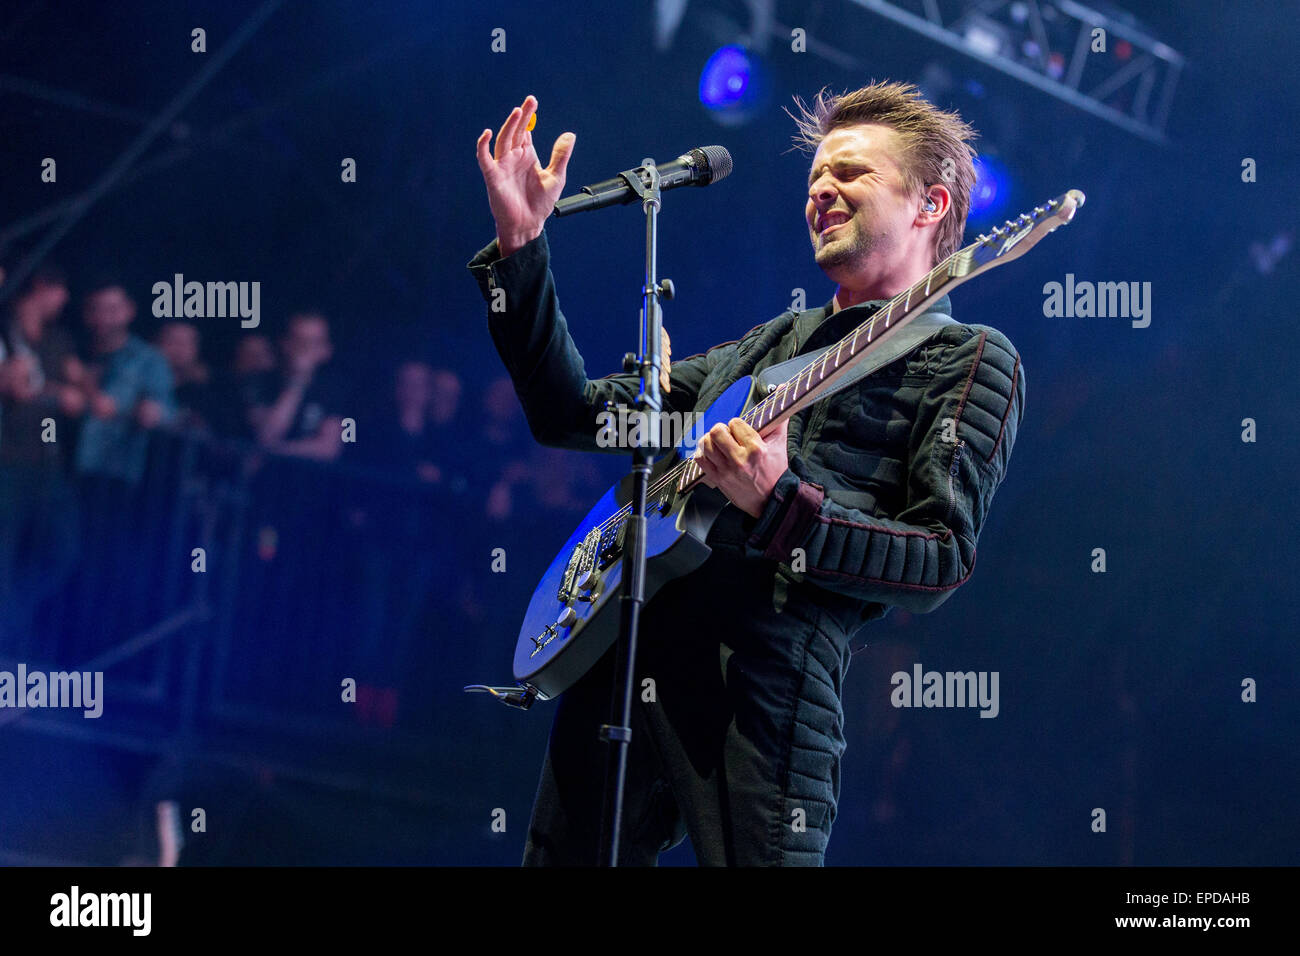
{"x": 889, "y": 480}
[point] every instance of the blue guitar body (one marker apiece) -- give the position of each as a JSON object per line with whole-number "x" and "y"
{"x": 573, "y": 617}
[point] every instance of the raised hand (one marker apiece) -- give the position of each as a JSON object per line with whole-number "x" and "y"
{"x": 520, "y": 191}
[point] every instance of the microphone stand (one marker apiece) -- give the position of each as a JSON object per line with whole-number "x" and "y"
{"x": 618, "y": 732}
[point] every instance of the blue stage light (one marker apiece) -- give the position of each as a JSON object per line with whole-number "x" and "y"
{"x": 726, "y": 78}
{"x": 992, "y": 187}
{"x": 733, "y": 85}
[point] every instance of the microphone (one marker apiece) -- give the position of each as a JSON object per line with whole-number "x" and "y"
{"x": 699, "y": 167}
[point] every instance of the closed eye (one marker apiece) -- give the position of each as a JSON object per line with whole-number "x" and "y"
{"x": 843, "y": 173}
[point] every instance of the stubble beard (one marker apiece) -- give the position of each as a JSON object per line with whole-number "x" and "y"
{"x": 845, "y": 251}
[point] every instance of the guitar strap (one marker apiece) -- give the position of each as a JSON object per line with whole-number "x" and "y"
{"x": 896, "y": 346}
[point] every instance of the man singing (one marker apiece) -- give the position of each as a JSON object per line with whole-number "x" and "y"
{"x": 870, "y": 499}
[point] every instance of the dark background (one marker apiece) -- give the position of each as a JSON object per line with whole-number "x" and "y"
{"x": 1119, "y": 690}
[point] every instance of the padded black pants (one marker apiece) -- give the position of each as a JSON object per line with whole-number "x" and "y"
{"x": 736, "y": 742}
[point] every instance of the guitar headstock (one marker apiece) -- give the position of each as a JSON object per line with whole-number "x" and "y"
{"x": 1017, "y": 236}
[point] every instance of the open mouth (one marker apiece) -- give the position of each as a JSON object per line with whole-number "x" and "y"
{"x": 832, "y": 220}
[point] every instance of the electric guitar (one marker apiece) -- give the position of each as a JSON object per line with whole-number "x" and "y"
{"x": 573, "y": 616}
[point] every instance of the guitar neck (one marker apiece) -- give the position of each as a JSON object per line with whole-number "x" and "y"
{"x": 825, "y": 375}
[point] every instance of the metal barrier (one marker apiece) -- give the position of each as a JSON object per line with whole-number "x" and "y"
{"x": 237, "y": 588}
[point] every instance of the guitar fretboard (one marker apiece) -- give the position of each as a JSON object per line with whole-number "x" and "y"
{"x": 819, "y": 374}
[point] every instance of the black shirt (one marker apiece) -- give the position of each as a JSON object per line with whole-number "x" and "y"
{"x": 325, "y": 396}
{"x": 20, "y": 422}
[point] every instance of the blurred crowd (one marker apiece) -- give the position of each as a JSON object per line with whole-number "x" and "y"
{"x": 87, "y": 388}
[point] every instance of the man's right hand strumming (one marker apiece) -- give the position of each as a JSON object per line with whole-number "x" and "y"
{"x": 520, "y": 192}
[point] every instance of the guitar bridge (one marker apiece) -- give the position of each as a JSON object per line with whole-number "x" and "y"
{"x": 585, "y": 557}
